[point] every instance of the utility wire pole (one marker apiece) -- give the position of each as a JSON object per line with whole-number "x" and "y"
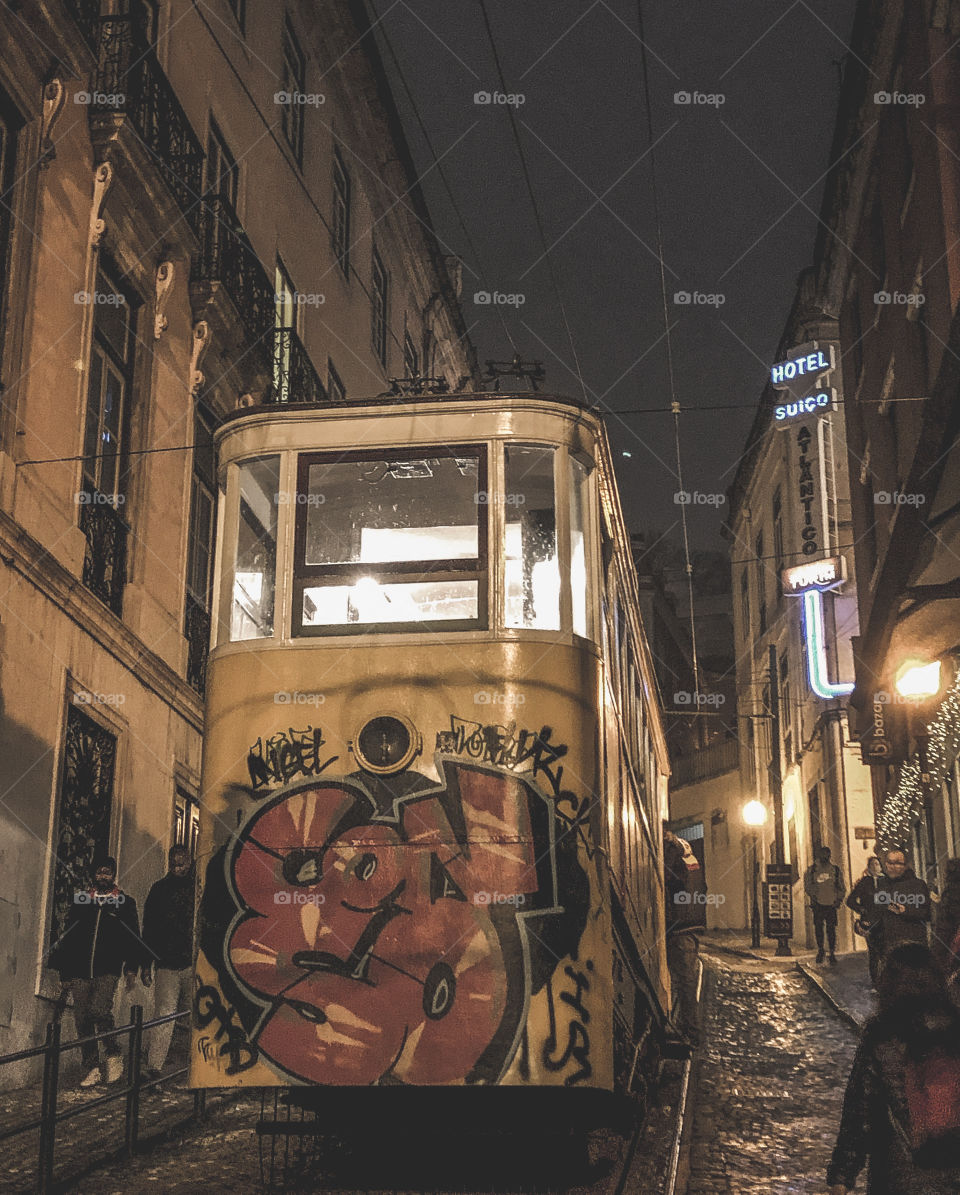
{"x": 776, "y": 780}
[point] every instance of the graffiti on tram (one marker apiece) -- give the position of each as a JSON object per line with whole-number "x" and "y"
{"x": 372, "y": 929}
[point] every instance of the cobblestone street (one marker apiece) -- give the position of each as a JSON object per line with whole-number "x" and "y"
{"x": 772, "y": 1073}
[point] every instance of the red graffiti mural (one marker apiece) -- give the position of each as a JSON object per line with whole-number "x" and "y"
{"x": 381, "y": 940}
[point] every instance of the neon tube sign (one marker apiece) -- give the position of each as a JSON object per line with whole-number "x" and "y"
{"x": 813, "y": 635}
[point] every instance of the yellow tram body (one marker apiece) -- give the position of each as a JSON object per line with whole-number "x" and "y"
{"x": 434, "y": 768}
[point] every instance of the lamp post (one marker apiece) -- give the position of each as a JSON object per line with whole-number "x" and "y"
{"x": 755, "y": 816}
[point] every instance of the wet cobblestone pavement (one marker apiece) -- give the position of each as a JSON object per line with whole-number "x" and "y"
{"x": 772, "y": 1073}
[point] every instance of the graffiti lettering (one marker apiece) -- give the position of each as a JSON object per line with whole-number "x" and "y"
{"x": 207, "y": 1008}
{"x": 578, "y": 1039}
{"x": 286, "y": 755}
{"x": 401, "y": 969}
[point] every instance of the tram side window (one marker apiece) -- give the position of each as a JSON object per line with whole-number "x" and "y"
{"x": 578, "y": 554}
{"x": 391, "y": 542}
{"x": 254, "y": 577}
{"x": 532, "y": 564}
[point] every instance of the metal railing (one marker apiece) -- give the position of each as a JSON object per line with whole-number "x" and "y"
{"x": 86, "y": 14}
{"x": 227, "y": 257}
{"x": 51, "y": 1116}
{"x": 705, "y": 763}
{"x": 105, "y": 558}
{"x": 197, "y": 632}
{"x": 129, "y": 79}
{"x": 295, "y": 380}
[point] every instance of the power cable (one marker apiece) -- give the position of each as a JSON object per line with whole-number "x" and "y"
{"x": 533, "y": 201}
{"x": 381, "y": 25}
{"x": 674, "y": 404}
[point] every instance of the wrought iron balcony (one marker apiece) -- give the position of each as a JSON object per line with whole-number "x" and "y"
{"x": 86, "y": 14}
{"x": 105, "y": 560}
{"x": 294, "y": 378}
{"x": 197, "y": 632}
{"x": 129, "y": 80}
{"x": 227, "y": 258}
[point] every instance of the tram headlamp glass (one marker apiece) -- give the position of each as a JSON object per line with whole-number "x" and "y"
{"x": 386, "y": 744}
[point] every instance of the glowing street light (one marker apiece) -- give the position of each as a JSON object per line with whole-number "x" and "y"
{"x": 755, "y": 815}
{"x": 917, "y": 680}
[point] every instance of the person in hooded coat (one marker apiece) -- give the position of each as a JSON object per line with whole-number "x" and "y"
{"x": 916, "y": 1020}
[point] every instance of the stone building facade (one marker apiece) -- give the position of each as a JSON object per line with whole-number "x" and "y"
{"x": 203, "y": 206}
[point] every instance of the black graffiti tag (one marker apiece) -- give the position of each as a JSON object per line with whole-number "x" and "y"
{"x": 578, "y": 1038}
{"x": 207, "y": 1008}
{"x": 286, "y": 755}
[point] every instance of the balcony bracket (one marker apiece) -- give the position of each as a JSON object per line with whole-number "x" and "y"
{"x": 164, "y": 281}
{"x": 102, "y": 181}
{"x": 54, "y": 96}
{"x": 201, "y": 340}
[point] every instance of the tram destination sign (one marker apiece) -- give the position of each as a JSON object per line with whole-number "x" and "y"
{"x": 778, "y": 901}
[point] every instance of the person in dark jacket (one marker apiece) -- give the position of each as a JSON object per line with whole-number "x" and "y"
{"x": 824, "y": 887}
{"x": 679, "y": 864}
{"x": 168, "y": 936}
{"x": 863, "y": 902}
{"x": 904, "y": 903}
{"x": 101, "y": 938}
{"x": 915, "y": 1019}
{"x": 947, "y": 922}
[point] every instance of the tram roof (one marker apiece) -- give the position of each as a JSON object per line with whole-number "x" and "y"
{"x": 387, "y": 399}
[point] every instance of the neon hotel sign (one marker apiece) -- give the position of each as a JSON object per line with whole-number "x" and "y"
{"x": 791, "y": 376}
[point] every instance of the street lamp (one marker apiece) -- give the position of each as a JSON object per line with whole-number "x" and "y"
{"x": 918, "y": 680}
{"x": 755, "y": 816}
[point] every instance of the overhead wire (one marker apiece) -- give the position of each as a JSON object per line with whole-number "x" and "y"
{"x": 533, "y": 200}
{"x": 675, "y": 406}
{"x": 481, "y": 273}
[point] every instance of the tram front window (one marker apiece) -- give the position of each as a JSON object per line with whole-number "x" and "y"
{"x": 254, "y": 576}
{"x": 532, "y": 564}
{"x": 384, "y": 540}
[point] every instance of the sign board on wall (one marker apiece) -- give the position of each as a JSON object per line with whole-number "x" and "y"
{"x": 819, "y": 574}
{"x": 886, "y": 739}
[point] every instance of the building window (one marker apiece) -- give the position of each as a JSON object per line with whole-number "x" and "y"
{"x": 379, "y": 304}
{"x": 203, "y": 513}
{"x": 104, "y": 443}
{"x": 335, "y": 387}
{"x": 286, "y": 329}
{"x": 745, "y": 603}
{"x": 411, "y": 362}
{"x": 223, "y": 173}
{"x": 186, "y": 821}
{"x": 294, "y": 84}
{"x": 239, "y": 10}
{"x": 394, "y": 544}
{"x": 340, "y": 225}
{"x": 86, "y": 803}
{"x": 9, "y": 131}
{"x": 778, "y": 541}
{"x": 761, "y": 584}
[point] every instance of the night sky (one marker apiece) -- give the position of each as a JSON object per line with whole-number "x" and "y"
{"x": 739, "y": 184}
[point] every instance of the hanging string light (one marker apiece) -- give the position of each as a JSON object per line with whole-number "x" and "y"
{"x": 904, "y": 804}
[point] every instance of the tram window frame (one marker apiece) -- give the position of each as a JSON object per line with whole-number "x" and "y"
{"x": 476, "y": 568}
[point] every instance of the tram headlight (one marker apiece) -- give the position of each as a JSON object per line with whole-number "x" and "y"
{"x": 386, "y": 744}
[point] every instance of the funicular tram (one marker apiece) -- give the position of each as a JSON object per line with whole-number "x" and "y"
{"x": 434, "y": 773}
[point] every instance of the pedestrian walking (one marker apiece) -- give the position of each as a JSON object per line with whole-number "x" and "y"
{"x": 863, "y": 902}
{"x": 947, "y": 922}
{"x": 168, "y": 937}
{"x": 824, "y": 886}
{"x": 901, "y": 1110}
{"x": 101, "y": 939}
{"x": 681, "y": 872}
{"x": 904, "y": 902}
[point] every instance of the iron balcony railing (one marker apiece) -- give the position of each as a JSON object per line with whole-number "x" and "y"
{"x": 105, "y": 558}
{"x": 197, "y": 632}
{"x": 294, "y": 378}
{"x": 130, "y": 80}
{"x": 227, "y": 257}
{"x": 705, "y": 763}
